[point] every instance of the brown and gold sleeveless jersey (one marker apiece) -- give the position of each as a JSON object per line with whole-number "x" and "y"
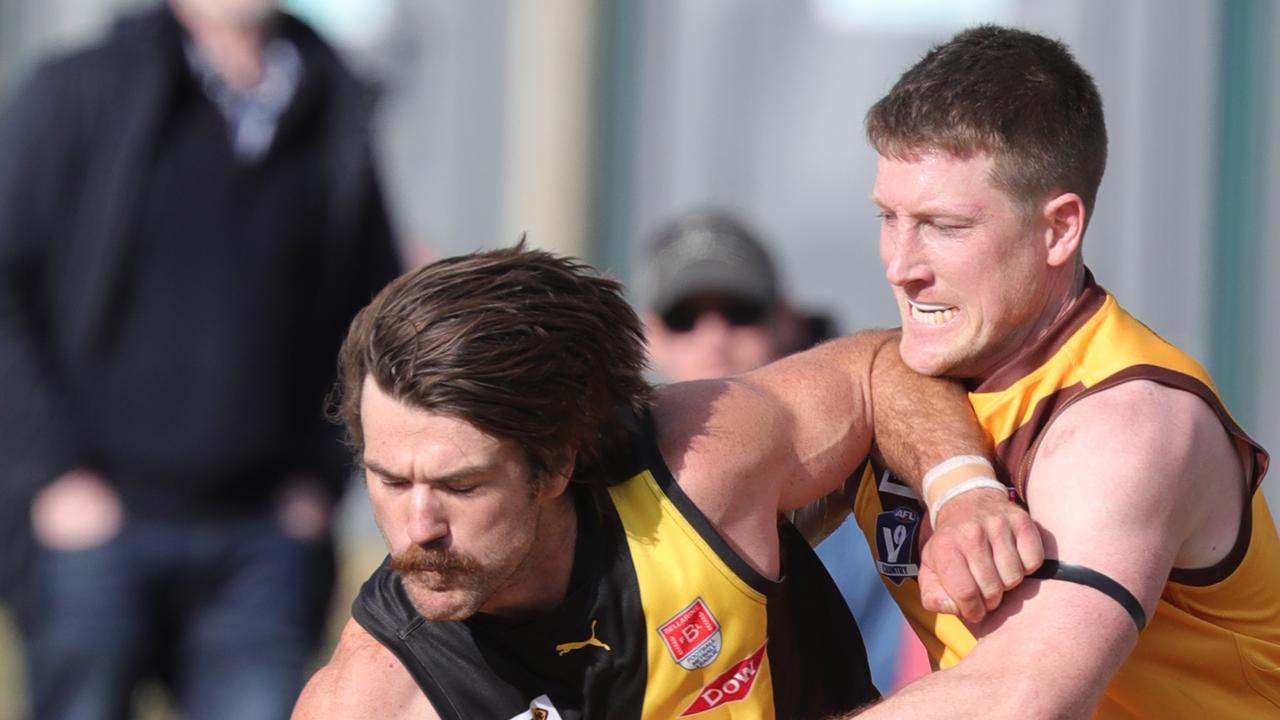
{"x": 662, "y": 620}
{"x": 1212, "y": 648}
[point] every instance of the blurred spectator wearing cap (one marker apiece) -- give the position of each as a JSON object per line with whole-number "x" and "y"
{"x": 189, "y": 218}
{"x": 713, "y": 305}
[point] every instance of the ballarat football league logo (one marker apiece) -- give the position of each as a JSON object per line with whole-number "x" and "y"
{"x": 692, "y": 636}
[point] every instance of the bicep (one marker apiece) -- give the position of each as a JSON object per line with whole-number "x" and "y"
{"x": 1111, "y": 490}
{"x": 1117, "y": 486}
{"x": 823, "y": 397}
{"x": 794, "y": 429}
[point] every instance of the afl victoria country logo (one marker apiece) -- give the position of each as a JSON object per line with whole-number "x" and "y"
{"x": 692, "y": 636}
{"x": 896, "y": 551}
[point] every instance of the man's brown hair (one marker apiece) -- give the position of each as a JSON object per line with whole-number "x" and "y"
{"x": 523, "y": 344}
{"x": 1017, "y": 96}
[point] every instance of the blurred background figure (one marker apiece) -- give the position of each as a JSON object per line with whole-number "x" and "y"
{"x": 713, "y": 305}
{"x": 713, "y": 301}
{"x": 189, "y": 218}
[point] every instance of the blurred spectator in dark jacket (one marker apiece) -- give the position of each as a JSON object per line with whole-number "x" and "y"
{"x": 713, "y": 305}
{"x": 189, "y": 218}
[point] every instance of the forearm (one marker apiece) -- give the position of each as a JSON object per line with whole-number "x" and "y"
{"x": 919, "y": 421}
{"x": 959, "y": 693}
{"x": 1042, "y": 659}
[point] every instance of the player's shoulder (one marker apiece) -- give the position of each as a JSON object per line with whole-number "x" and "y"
{"x": 714, "y": 424}
{"x": 1159, "y": 452}
{"x": 362, "y": 680}
{"x": 1144, "y": 417}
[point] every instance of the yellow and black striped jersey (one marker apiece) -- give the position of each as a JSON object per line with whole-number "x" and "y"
{"x": 1212, "y": 649}
{"x": 662, "y": 620}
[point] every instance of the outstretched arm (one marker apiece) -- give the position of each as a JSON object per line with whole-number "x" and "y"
{"x": 778, "y": 437}
{"x": 745, "y": 447}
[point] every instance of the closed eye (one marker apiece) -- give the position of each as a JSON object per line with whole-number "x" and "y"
{"x": 391, "y": 482}
{"x": 950, "y": 228}
{"x": 384, "y": 479}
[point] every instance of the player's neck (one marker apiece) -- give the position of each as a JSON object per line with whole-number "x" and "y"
{"x": 1061, "y": 293}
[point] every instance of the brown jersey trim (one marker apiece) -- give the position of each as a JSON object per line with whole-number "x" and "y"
{"x": 1182, "y": 381}
{"x": 1013, "y": 455}
{"x": 1221, "y": 570}
{"x": 1185, "y": 576}
{"x": 1083, "y": 307}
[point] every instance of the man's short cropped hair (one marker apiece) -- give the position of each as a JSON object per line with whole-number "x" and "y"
{"x": 1019, "y": 97}
{"x": 525, "y": 345}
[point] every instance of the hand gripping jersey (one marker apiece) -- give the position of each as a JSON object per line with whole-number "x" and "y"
{"x": 662, "y": 620}
{"x": 1212, "y": 648}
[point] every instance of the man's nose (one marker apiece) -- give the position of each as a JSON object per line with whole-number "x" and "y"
{"x": 711, "y": 324}
{"x": 900, "y": 251}
{"x": 428, "y": 521}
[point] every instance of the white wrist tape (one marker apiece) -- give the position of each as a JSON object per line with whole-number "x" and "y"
{"x": 960, "y": 488}
{"x": 946, "y": 466}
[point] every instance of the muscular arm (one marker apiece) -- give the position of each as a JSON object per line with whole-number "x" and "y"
{"x": 1122, "y": 484}
{"x": 984, "y": 544}
{"x": 778, "y": 437}
{"x": 363, "y": 681}
{"x": 919, "y": 421}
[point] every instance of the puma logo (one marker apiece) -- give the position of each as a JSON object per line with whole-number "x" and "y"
{"x": 569, "y": 647}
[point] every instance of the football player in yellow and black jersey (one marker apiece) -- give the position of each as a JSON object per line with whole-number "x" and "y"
{"x": 567, "y": 542}
{"x": 1160, "y": 596}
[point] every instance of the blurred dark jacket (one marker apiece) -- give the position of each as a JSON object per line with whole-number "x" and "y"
{"x": 210, "y": 420}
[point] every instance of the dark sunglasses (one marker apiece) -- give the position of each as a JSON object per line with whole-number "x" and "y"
{"x": 738, "y": 313}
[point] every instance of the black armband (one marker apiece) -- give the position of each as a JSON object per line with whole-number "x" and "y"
{"x": 1058, "y": 570}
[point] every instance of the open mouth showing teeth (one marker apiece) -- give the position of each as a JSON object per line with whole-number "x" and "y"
{"x": 929, "y": 314}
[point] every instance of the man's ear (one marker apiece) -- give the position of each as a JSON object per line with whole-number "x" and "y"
{"x": 557, "y": 479}
{"x": 1064, "y": 217}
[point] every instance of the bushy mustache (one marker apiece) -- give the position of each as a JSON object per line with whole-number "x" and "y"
{"x": 418, "y": 559}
